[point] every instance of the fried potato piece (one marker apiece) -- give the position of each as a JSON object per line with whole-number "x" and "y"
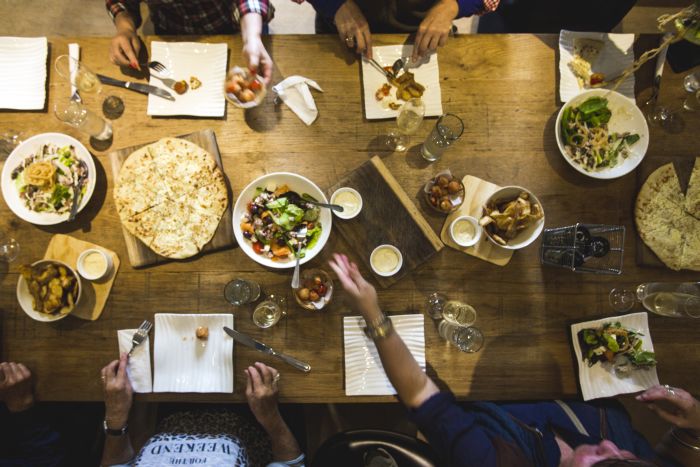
{"x": 54, "y": 289}
{"x": 504, "y": 220}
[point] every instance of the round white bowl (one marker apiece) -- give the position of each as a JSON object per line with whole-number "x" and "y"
{"x": 344, "y": 215}
{"x": 532, "y": 231}
{"x": 27, "y": 148}
{"x": 393, "y": 271}
{"x": 477, "y": 230}
{"x": 234, "y": 100}
{"x": 81, "y": 265}
{"x": 626, "y": 116}
{"x": 296, "y": 183}
{"x": 24, "y": 297}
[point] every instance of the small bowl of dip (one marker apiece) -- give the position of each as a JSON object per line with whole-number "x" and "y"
{"x": 94, "y": 264}
{"x": 386, "y": 260}
{"x": 351, "y": 201}
{"x": 465, "y": 231}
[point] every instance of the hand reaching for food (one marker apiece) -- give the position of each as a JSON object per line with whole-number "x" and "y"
{"x": 674, "y": 405}
{"x": 255, "y": 55}
{"x": 362, "y": 292}
{"x": 16, "y": 386}
{"x": 126, "y": 45}
{"x": 353, "y": 28}
{"x": 261, "y": 392}
{"x": 435, "y": 28}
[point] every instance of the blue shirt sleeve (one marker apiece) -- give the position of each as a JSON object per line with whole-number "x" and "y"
{"x": 453, "y": 432}
{"x": 326, "y": 8}
{"x": 469, "y": 7}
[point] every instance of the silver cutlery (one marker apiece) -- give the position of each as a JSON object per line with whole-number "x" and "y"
{"x": 139, "y": 87}
{"x": 161, "y": 73}
{"x": 294, "y": 198}
{"x": 76, "y": 196}
{"x": 259, "y": 346}
{"x": 400, "y": 65}
{"x": 650, "y": 104}
{"x": 140, "y": 335}
{"x": 295, "y": 277}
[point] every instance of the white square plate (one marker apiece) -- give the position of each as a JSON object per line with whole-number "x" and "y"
{"x": 184, "y": 363}
{"x": 426, "y": 74}
{"x": 23, "y": 80}
{"x": 364, "y": 373}
{"x": 599, "y": 380}
{"x": 207, "y": 62}
{"x": 616, "y": 56}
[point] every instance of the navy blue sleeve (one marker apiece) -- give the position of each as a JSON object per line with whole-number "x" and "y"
{"x": 29, "y": 440}
{"x": 326, "y": 8}
{"x": 469, "y": 7}
{"x": 453, "y": 432}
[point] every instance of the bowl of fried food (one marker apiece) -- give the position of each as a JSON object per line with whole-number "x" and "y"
{"x": 316, "y": 289}
{"x": 244, "y": 88}
{"x": 512, "y": 218}
{"x": 48, "y": 290}
{"x": 444, "y": 192}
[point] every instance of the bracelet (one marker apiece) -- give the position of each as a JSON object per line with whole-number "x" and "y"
{"x": 109, "y": 431}
{"x": 379, "y": 328}
{"x": 676, "y": 434}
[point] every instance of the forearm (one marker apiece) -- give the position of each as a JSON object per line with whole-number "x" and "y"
{"x": 284, "y": 444}
{"x": 251, "y": 27}
{"x": 117, "y": 450}
{"x": 126, "y": 10}
{"x": 124, "y": 22}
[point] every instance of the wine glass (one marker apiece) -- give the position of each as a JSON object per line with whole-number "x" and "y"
{"x": 9, "y": 140}
{"x": 691, "y": 82}
{"x": 622, "y": 299}
{"x": 9, "y": 248}
{"x": 666, "y": 118}
{"x": 434, "y": 305}
{"x": 467, "y": 339}
{"x": 408, "y": 122}
{"x": 86, "y": 82}
{"x": 692, "y": 102}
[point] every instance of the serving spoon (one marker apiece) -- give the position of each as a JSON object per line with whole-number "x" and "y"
{"x": 294, "y": 198}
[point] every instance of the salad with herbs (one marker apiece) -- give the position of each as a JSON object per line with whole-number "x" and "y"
{"x": 587, "y": 139}
{"x": 615, "y": 344}
{"x": 280, "y": 223}
{"x": 45, "y": 179}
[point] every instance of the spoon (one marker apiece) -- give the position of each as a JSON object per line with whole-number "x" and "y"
{"x": 294, "y": 198}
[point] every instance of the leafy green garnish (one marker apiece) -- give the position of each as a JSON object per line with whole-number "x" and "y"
{"x": 60, "y": 194}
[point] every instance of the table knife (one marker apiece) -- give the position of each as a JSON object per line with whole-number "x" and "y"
{"x": 259, "y": 346}
{"x": 140, "y": 87}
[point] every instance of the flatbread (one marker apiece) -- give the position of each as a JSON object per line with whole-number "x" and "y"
{"x": 171, "y": 195}
{"x": 692, "y": 196}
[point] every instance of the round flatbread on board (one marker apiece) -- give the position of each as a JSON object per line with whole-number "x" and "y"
{"x": 171, "y": 195}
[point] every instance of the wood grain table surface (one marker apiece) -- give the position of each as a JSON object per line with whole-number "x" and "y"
{"x": 504, "y": 87}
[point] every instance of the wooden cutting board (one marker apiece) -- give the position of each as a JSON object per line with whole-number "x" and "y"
{"x": 476, "y": 192}
{"x": 139, "y": 254}
{"x": 383, "y": 199}
{"x": 94, "y": 294}
{"x": 684, "y": 166}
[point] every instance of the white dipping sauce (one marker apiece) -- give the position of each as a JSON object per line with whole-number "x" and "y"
{"x": 349, "y": 201}
{"x": 463, "y": 231}
{"x": 94, "y": 264}
{"x": 385, "y": 260}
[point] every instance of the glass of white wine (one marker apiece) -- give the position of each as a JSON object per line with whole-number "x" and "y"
{"x": 409, "y": 120}
{"x": 674, "y": 299}
{"x": 270, "y": 311}
{"x": 86, "y": 82}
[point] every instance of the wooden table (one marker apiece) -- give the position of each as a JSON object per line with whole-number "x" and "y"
{"x": 504, "y": 88}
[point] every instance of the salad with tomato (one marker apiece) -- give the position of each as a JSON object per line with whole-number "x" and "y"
{"x": 280, "y": 223}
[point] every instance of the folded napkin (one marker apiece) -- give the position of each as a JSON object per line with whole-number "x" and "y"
{"x": 364, "y": 373}
{"x": 139, "y": 367}
{"x": 74, "y": 53}
{"x": 294, "y": 91}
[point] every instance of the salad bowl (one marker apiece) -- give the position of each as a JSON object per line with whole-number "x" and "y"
{"x": 271, "y": 182}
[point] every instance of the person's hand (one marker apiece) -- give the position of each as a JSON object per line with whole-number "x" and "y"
{"x": 435, "y": 27}
{"x": 261, "y": 392}
{"x": 362, "y": 292}
{"x": 674, "y": 405}
{"x": 117, "y": 392}
{"x": 16, "y": 386}
{"x": 353, "y": 28}
{"x": 125, "y": 47}
{"x": 257, "y": 59}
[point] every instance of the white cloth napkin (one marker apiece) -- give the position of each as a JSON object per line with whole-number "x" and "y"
{"x": 74, "y": 53}
{"x": 139, "y": 367}
{"x": 294, "y": 91}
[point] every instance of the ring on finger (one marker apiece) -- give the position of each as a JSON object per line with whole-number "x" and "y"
{"x": 670, "y": 390}
{"x": 276, "y": 378}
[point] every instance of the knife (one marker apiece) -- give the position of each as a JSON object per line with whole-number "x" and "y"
{"x": 658, "y": 71}
{"x": 140, "y": 87}
{"x": 250, "y": 342}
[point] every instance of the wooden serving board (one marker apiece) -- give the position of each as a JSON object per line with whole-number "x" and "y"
{"x": 684, "y": 166}
{"x": 383, "y": 198}
{"x": 94, "y": 294}
{"x": 476, "y": 192}
{"x": 139, "y": 254}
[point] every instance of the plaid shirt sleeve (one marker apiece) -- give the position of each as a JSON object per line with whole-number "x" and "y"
{"x": 476, "y": 7}
{"x": 114, "y": 7}
{"x": 261, "y": 7}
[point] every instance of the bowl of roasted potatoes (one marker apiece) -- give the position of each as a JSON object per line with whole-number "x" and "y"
{"x": 512, "y": 218}
{"x": 48, "y": 290}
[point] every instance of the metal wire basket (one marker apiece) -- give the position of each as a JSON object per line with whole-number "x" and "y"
{"x": 595, "y": 248}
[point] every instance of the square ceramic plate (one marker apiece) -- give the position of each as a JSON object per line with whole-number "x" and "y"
{"x": 616, "y": 56}
{"x": 184, "y": 363}
{"x": 206, "y": 62}
{"x": 364, "y": 373}
{"x": 426, "y": 73}
{"x": 25, "y": 86}
{"x": 600, "y": 380}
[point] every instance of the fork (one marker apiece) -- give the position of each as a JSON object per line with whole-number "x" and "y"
{"x": 140, "y": 335}
{"x": 161, "y": 72}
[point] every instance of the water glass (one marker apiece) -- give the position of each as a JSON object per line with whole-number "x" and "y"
{"x": 9, "y": 140}
{"x": 458, "y": 313}
{"x": 691, "y": 82}
{"x": 78, "y": 116}
{"x": 467, "y": 339}
{"x": 270, "y": 311}
{"x": 9, "y": 248}
{"x": 409, "y": 120}
{"x": 240, "y": 292}
{"x": 434, "y": 305}
{"x": 692, "y": 102}
{"x": 447, "y": 130}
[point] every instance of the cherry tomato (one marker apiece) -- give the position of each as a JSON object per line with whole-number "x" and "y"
{"x": 255, "y": 85}
{"x": 257, "y": 247}
{"x": 321, "y": 289}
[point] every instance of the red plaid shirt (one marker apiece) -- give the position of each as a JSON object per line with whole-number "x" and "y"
{"x": 193, "y": 16}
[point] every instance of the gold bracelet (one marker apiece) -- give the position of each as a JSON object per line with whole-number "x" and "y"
{"x": 379, "y": 328}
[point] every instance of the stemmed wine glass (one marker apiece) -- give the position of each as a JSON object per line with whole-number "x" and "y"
{"x": 86, "y": 82}
{"x": 408, "y": 122}
{"x": 9, "y": 248}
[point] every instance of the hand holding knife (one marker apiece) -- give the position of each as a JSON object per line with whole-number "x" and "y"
{"x": 259, "y": 346}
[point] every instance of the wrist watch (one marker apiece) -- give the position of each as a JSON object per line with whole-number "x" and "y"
{"x": 379, "y": 328}
{"x": 109, "y": 431}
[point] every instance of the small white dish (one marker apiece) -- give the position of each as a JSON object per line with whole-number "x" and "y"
{"x": 386, "y": 260}
{"x": 94, "y": 264}
{"x": 459, "y": 230}
{"x": 232, "y": 97}
{"x": 528, "y": 235}
{"x": 351, "y": 201}
{"x": 26, "y": 302}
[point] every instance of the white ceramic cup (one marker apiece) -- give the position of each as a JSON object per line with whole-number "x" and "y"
{"x": 475, "y": 226}
{"x": 394, "y": 270}
{"x": 95, "y": 276}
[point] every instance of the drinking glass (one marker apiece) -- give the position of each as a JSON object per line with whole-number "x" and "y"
{"x": 87, "y": 82}
{"x": 674, "y": 299}
{"x": 78, "y": 116}
{"x": 434, "y": 305}
{"x": 691, "y": 82}
{"x": 240, "y": 292}
{"x": 447, "y": 130}
{"x": 270, "y": 311}
{"x": 9, "y": 248}
{"x": 666, "y": 118}
{"x": 458, "y": 313}
{"x": 467, "y": 339}
{"x": 9, "y": 140}
{"x": 408, "y": 122}
{"x": 692, "y": 102}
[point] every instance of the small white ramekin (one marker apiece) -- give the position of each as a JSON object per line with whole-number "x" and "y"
{"x": 477, "y": 231}
{"x": 398, "y": 265}
{"x": 108, "y": 265}
{"x": 344, "y": 215}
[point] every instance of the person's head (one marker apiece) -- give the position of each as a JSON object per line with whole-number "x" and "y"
{"x": 604, "y": 454}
